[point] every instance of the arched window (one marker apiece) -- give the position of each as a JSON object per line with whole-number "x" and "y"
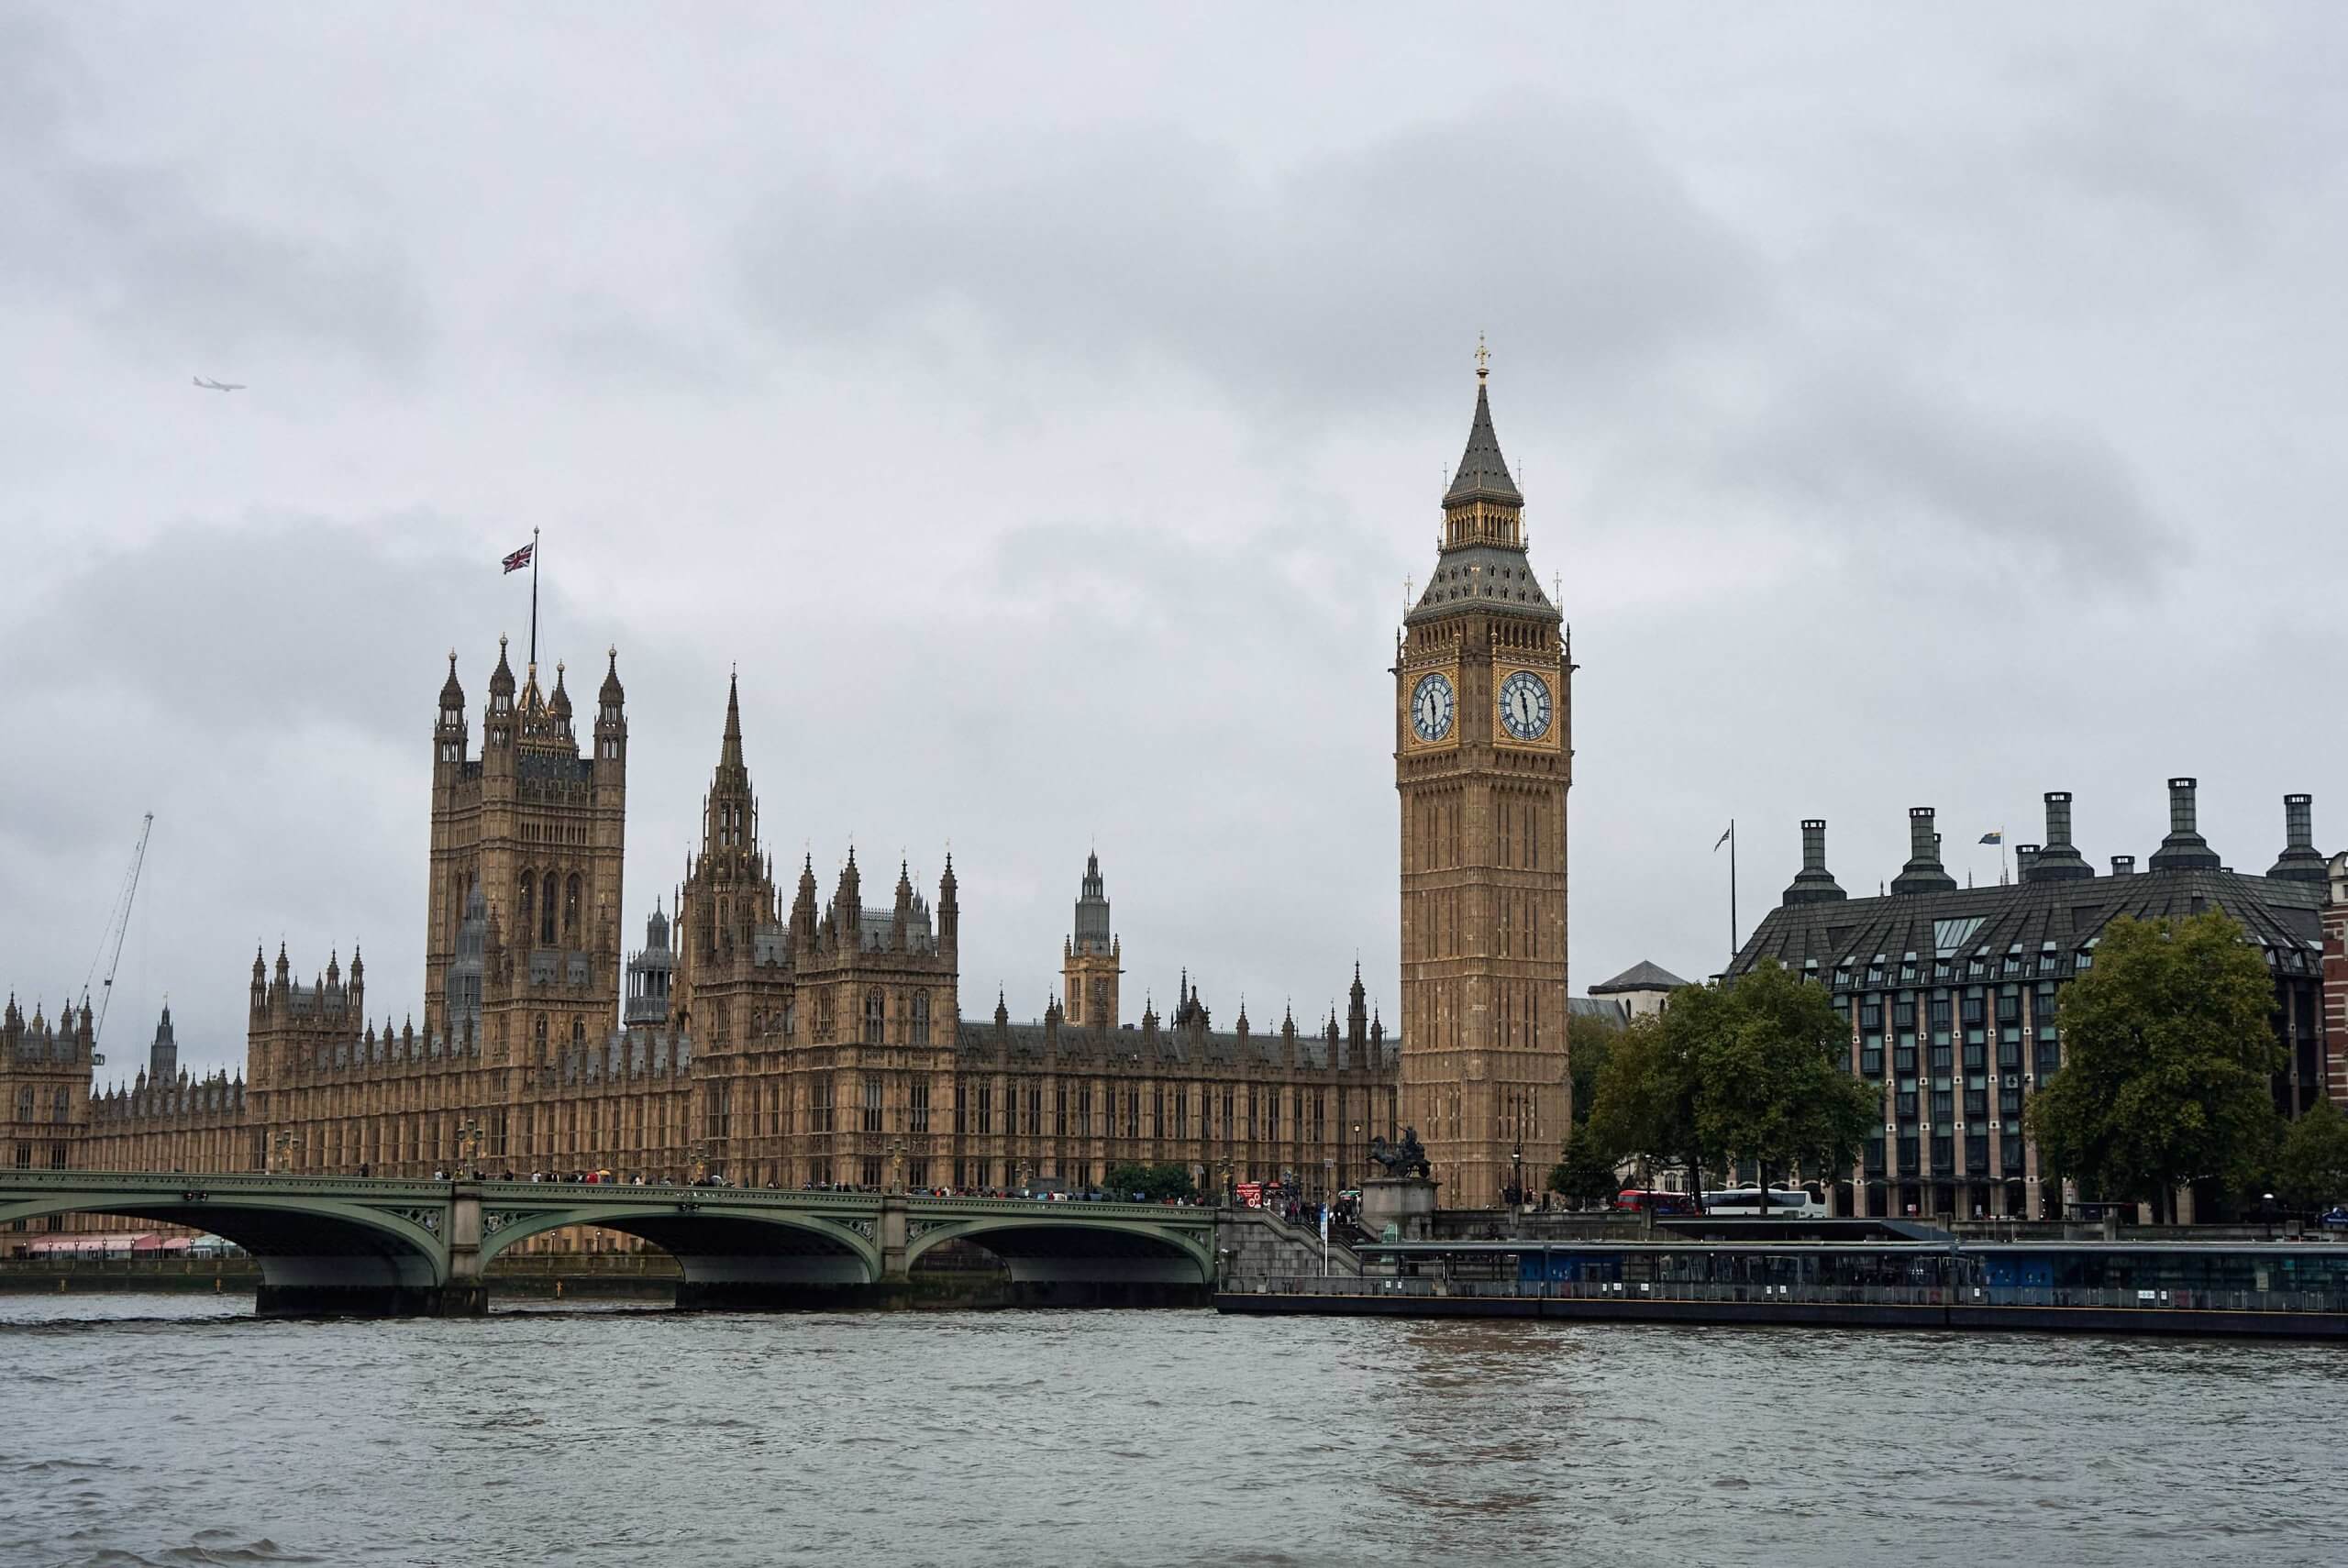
{"x": 571, "y": 911}
{"x": 24, "y": 1105}
{"x": 578, "y": 1031}
{"x": 63, "y": 1108}
{"x": 527, "y": 906}
{"x": 921, "y": 1018}
{"x": 875, "y": 1017}
{"x": 538, "y": 1034}
{"x": 546, "y": 913}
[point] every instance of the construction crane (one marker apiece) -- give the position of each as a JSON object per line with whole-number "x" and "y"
{"x": 117, "y": 928}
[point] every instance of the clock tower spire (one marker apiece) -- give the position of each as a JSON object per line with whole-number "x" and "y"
{"x": 1483, "y": 757}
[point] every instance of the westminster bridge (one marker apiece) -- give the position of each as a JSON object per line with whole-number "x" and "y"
{"x": 387, "y": 1246}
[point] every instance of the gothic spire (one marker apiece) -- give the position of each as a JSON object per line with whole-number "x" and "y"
{"x": 1483, "y": 474}
{"x": 729, "y": 755}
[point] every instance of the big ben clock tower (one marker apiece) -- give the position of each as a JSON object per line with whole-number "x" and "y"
{"x": 1483, "y": 755}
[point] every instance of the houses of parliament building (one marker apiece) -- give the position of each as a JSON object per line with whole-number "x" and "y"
{"x": 769, "y": 1032}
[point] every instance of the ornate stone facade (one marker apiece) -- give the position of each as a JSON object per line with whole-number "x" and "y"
{"x": 820, "y": 1043}
{"x": 44, "y": 1086}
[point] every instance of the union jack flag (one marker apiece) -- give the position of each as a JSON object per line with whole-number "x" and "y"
{"x": 520, "y": 557}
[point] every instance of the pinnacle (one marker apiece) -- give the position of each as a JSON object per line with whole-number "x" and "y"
{"x": 730, "y": 755}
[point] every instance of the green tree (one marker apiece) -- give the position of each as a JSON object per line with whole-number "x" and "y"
{"x": 2313, "y": 1168}
{"x": 1586, "y": 1175}
{"x": 2168, "y": 1063}
{"x": 1590, "y": 1043}
{"x": 1756, "y": 1069}
{"x": 1642, "y": 1105}
{"x": 1776, "y": 1084}
{"x": 1150, "y": 1184}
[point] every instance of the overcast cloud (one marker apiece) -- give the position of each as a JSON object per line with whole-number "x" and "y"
{"x": 1045, "y": 410}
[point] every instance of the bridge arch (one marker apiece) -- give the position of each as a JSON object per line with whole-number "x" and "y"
{"x": 316, "y": 1253}
{"x": 1101, "y": 1258}
{"x": 724, "y": 1253}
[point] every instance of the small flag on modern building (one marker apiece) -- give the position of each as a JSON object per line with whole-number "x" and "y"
{"x": 1995, "y": 835}
{"x": 520, "y": 557}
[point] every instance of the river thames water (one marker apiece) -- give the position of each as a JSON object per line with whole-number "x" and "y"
{"x": 157, "y": 1430}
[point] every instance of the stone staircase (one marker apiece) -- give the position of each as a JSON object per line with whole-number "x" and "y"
{"x": 1252, "y": 1243}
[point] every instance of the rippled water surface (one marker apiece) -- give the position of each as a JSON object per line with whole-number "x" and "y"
{"x": 157, "y": 1430}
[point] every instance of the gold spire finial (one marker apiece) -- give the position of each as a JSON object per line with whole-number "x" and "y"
{"x": 1483, "y": 358}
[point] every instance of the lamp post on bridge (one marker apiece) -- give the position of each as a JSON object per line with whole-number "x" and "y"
{"x": 469, "y": 1139}
{"x": 897, "y": 1165}
{"x": 280, "y": 1145}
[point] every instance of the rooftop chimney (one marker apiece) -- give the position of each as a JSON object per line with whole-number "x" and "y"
{"x": 2184, "y": 849}
{"x": 2059, "y": 859}
{"x": 2123, "y": 866}
{"x": 2299, "y": 861}
{"x": 1922, "y": 874}
{"x": 1814, "y": 884}
{"x": 2026, "y": 861}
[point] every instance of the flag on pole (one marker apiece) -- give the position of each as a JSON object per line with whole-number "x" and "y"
{"x": 1995, "y": 835}
{"x": 1723, "y": 837}
{"x": 521, "y": 558}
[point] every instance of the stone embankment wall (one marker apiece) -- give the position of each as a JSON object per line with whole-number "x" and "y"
{"x": 1253, "y": 1244}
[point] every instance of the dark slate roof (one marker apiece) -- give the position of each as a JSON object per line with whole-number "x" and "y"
{"x": 1641, "y": 975}
{"x": 1483, "y": 474}
{"x": 1483, "y": 577}
{"x": 1598, "y": 1007}
{"x": 1170, "y": 1046}
{"x": 2043, "y": 924}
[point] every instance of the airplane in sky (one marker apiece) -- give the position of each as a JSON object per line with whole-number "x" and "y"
{"x": 219, "y": 386}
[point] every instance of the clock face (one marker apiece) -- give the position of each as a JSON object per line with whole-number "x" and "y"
{"x": 1430, "y": 707}
{"x": 1524, "y": 705}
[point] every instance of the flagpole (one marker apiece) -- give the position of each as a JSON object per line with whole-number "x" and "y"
{"x": 1731, "y": 891}
{"x": 534, "y": 599}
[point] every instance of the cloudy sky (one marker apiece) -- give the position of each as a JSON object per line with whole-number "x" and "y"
{"x": 1045, "y": 409}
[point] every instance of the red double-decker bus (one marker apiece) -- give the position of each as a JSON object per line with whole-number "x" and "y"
{"x": 1655, "y": 1200}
